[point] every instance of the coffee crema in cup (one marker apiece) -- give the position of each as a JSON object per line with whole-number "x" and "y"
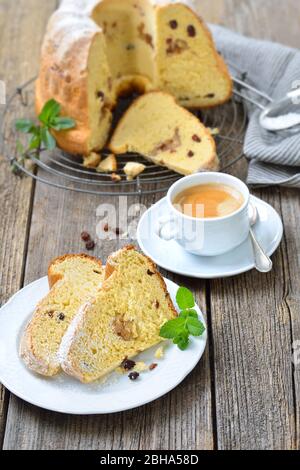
{"x": 209, "y": 200}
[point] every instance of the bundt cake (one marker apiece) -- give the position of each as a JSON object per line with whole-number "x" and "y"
{"x": 175, "y": 137}
{"x": 94, "y": 50}
{"x": 72, "y": 279}
{"x": 123, "y": 319}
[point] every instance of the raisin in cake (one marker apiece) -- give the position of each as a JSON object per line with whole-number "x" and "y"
{"x": 123, "y": 319}
{"x": 175, "y": 137}
{"x": 72, "y": 279}
{"x": 95, "y": 49}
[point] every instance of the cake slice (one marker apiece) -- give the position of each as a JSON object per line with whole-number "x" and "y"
{"x": 175, "y": 138}
{"x": 123, "y": 319}
{"x": 72, "y": 279}
{"x": 187, "y": 63}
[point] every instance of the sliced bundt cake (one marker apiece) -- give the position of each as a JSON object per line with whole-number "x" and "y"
{"x": 72, "y": 279}
{"x": 95, "y": 49}
{"x": 175, "y": 137}
{"x": 123, "y": 319}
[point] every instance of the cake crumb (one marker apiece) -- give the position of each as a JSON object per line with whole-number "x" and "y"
{"x": 116, "y": 178}
{"x": 133, "y": 169}
{"x": 109, "y": 165}
{"x": 92, "y": 160}
{"x": 159, "y": 354}
{"x": 140, "y": 367}
{"x": 124, "y": 236}
{"x": 214, "y": 130}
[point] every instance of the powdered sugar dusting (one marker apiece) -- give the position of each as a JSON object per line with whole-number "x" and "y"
{"x": 65, "y": 30}
{"x": 190, "y": 3}
{"x": 69, "y": 337}
{"x": 84, "y": 6}
{"x": 72, "y": 23}
{"x": 87, "y": 6}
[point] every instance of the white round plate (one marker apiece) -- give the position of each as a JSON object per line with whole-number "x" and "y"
{"x": 65, "y": 394}
{"x": 172, "y": 257}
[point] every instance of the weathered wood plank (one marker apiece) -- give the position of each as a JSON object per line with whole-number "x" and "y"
{"x": 273, "y": 20}
{"x": 253, "y": 368}
{"x": 20, "y": 43}
{"x": 290, "y": 208}
{"x": 182, "y": 419}
{"x": 254, "y": 317}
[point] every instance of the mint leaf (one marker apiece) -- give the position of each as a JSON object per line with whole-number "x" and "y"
{"x": 41, "y": 134}
{"x": 185, "y": 298}
{"x": 182, "y": 340}
{"x": 24, "y": 125}
{"x": 48, "y": 139}
{"x": 62, "y": 123}
{"x": 35, "y": 142}
{"x": 172, "y": 328}
{"x": 188, "y": 313}
{"x": 186, "y": 324}
{"x": 51, "y": 110}
{"x": 195, "y": 326}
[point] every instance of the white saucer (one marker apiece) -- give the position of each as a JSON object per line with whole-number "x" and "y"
{"x": 65, "y": 394}
{"x": 170, "y": 255}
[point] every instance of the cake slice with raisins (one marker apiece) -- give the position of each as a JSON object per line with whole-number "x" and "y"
{"x": 156, "y": 127}
{"x": 123, "y": 319}
{"x": 72, "y": 279}
{"x": 187, "y": 63}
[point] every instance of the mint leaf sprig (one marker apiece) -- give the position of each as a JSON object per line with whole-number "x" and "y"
{"x": 186, "y": 324}
{"x": 40, "y": 134}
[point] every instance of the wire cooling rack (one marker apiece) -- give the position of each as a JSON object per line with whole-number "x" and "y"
{"x": 61, "y": 170}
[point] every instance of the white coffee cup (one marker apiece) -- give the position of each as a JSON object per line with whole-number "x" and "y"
{"x": 206, "y": 236}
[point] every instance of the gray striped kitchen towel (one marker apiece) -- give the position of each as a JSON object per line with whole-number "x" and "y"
{"x": 275, "y": 70}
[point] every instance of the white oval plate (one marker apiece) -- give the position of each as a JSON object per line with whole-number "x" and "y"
{"x": 172, "y": 257}
{"x": 66, "y": 395}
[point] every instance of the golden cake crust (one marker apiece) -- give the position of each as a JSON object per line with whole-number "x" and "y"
{"x": 54, "y": 277}
{"x": 63, "y": 75}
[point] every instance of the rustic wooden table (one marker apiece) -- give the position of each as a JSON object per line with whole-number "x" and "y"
{"x": 245, "y": 393}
